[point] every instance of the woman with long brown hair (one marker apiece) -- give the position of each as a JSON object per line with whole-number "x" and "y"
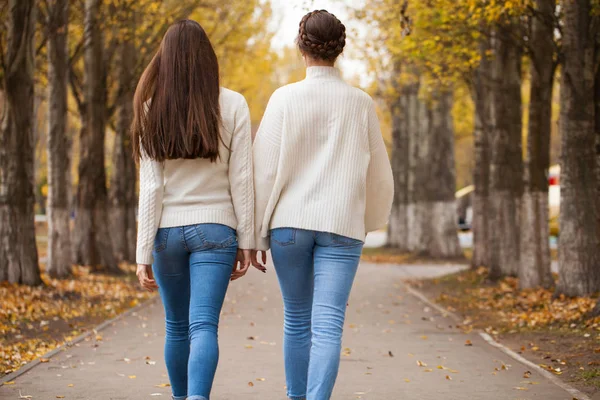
{"x": 195, "y": 231}
{"x": 323, "y": 180}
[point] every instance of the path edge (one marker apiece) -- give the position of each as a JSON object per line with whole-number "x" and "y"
{"x": 492, "y": 342}
{"x": 67, "y": 344}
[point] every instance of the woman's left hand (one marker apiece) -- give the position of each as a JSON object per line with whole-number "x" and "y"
{"x": 146, "y": 278}
{"x": 241, "y": 264}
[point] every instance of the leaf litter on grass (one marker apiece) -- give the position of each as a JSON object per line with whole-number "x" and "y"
{"x": 35, "y": 320}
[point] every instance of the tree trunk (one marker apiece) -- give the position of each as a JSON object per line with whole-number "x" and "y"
{"x": 534, "y": 267}
{"x": 438, "y": 202}
{"x": 59, "y": 168}
{"x": 506, "y": 170}
{"x": 18, "y": 250}
{"x": 596, "y": 311}
{"x": 433, "y": 184}
{"x": 122, "y": 197}
{"x": 579, "y": 251}
{"x": 481, "y": 175}
{"x": 413, "y": 211}
{"x": 398, "y": 228}
{"x": 92, "y": 239}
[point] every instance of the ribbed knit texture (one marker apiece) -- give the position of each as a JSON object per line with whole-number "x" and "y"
{"x": 188, "y": 192}
{"x": 320, "y": 162}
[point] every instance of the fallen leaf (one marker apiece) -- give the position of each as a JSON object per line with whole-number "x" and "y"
{"x": 132, "y": 376}
{"x": 421, "y": 363}
{"x": 24, "y": 397}
{"x": 390, "y": 353}
{"x": 9, "y": 383}
{"x": 468, "y": 343}
{"x": 448, "y": 378}
{"x": 527, "y": 374}
{"x": 44, "y": 360}
{"x": 250, "y": 384}
{"x": 261, "y": 379}
{"x": 162, "y": 385}
{"x": 60, "y": 397}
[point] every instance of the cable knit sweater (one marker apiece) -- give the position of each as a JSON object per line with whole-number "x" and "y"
{"x": 320, "y": 162}
{"x": 188, "y": 192}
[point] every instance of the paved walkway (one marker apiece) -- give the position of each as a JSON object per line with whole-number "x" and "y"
{"x": 388, "y": 333}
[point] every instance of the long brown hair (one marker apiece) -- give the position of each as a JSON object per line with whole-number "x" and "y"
{"x": 176, "y": 103}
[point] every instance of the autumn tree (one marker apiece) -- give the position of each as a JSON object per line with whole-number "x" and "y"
{"x": 534, "y": 268}
{"x": 579, "y": 251}
{"x": 122, "y": 194}
{"x": 93, "y": 244}
{"x": 481, "y": 89}
{"x": 400, "y": 100}
{"x": 424, "y": 131}
{"x": 18, "y": 251}
{"x": 506, "y": 178}
{"x": 59, "y": 241}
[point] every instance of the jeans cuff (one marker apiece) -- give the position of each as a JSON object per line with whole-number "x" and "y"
{"x": 173, "y": 397}
{"x": 197, "y": 398}
{"x": 296, "y": 397}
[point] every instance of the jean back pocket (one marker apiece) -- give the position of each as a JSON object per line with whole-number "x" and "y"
{"x": 284, "y": 236}
{"x": 161, "y": 239}
{"x": 216, "y": 236}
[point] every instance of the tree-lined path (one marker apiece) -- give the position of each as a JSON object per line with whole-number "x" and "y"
{"x": 389, "y": 333}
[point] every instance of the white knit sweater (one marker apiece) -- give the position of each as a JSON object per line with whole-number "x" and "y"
{"x": 188, "y": 192}
{"x": 320, "y": 162}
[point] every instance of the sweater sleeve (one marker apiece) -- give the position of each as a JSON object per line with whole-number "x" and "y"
{"x": 241, "y": 177}
{"x": 266, "y": 160}
{"x": 380, "y": 181}
{"x": 149, "y": 208}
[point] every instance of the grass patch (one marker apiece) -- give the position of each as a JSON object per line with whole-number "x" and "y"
{"x": 591, "y": 377}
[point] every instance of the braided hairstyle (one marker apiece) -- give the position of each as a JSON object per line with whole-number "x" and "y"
{"x": 321, "y": 35}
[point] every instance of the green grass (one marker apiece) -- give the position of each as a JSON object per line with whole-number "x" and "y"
{"x": 591, "y": 377}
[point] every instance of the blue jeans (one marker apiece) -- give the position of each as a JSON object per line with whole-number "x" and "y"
{"x": 192, "y": 267}
{"x": 315, "y": 271}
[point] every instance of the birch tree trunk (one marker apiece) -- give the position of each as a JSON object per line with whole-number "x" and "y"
{"x": 579, "y": 242}
{"x": 506, "y": 171}
{"x": 534, "y": 267}
{"x": 59, "y": 168}
{"x": 18, "y": 250}
{"x": 122, "y": 197}
{"x": 481, "y": 173}
{"x": 398, "y": 226}
{"x": 93, "y": 245}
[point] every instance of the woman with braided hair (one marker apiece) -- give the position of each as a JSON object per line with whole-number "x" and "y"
{"x": 323, "y": 180}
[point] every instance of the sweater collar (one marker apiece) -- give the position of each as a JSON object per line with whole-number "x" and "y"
{"x": 323, "y": 73}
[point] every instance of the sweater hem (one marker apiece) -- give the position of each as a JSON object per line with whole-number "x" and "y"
{"x": 171, "y": 219}
{"x": 356, "y": 233}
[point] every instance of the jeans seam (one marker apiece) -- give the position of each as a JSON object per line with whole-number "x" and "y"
{"x": 182, "y": 237}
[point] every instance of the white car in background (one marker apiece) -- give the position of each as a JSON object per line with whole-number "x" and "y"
{"x": 465, "y": 209}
